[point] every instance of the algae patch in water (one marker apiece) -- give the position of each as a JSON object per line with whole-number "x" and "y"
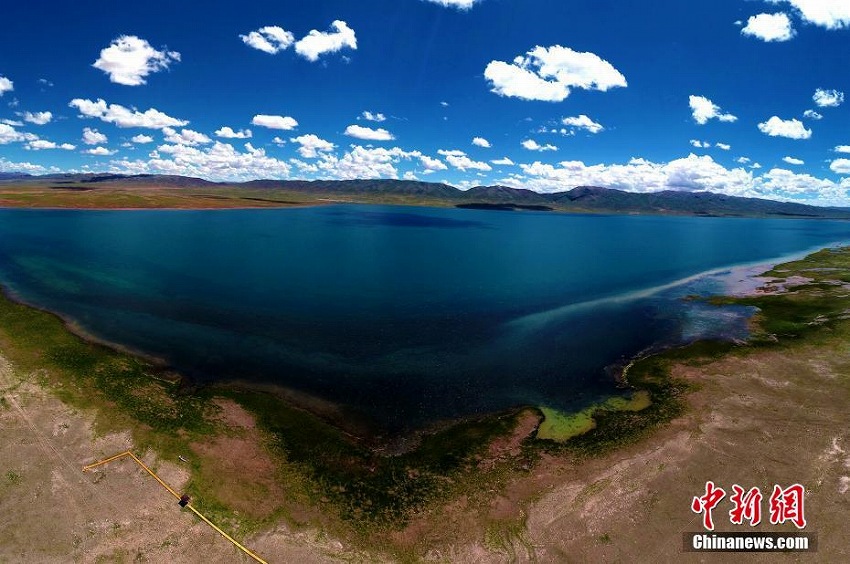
{"x": 560, "y": 426}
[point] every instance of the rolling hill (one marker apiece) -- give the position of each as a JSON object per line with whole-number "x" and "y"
{"x": 582, "y": 199}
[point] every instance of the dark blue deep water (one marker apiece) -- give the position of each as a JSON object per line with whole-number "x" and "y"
{"x": 407, "y": 315}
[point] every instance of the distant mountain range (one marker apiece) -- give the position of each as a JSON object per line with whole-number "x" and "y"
{"x": 587, "y": 199}
{"x": 14, "y": 175}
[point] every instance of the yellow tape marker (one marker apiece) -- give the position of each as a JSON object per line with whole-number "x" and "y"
{"x": 175, "y": 494}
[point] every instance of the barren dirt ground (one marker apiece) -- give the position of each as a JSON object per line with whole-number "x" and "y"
{"x": 766, "y": 418}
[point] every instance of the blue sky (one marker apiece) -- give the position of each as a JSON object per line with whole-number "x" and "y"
{"x": 744, "y": 97}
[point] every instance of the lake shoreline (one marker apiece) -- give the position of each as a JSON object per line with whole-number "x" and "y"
{"x": 357, "y": 426}
{"x": 376, "y": 502}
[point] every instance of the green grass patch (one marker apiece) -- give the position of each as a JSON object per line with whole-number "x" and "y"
{"x": 561, "y": 426}
{"x": 657, "y": 399}
{"x": 366, "y": 488}
{"x": 123, "y": 391}
{"x": 103, "y": 196}
{"x": 13, "y": 478}
{"x": 639, "y": 400}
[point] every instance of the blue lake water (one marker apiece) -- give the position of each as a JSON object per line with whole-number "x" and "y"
{"x": 406, "y": 315}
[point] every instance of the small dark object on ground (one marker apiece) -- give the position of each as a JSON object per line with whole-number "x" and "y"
{"x": 184, "y": 500}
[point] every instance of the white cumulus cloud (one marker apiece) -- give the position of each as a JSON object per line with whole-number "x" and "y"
{"x": 99, "y": 152}
{"x": 461, "y": 161}
{"x": 723, "y": 146}
{"x": 129, "y": 59}
{"x": 790, "y": 128}
{"x": 8, "y": 134}
{"x": 700, "y": 144}
{"x": 39, "y": 144}
{"x": 270, "y": 39}
{"x": 317, "y": 43}
{"x": 533, "y": 145}
{"x": 142, "y": 139}
{"x": 364, "y": 162}
{"x": 692, "y": 173}
{"x": 368, "y": 133}
{"x": 811, "y": 114}
{"x": 831, "y": 14}
{"x": 124, "y": 117}
{"x": 481, "y": 142}
{"x": 769, "y": 27}
{"x": 228, "y": 133}
{"x": 502, "y": 162}
{"x": 431, "y": 164}
{"x": 11, "y": 166}
{"x": 548, "y": 74}
{"x": 583, "y": 122}
{"x": 285, "y": 123}
{"x": 459, "y": 4}
{"x": 377, "y": 117}
{"x": 38, "y": 118}
{"x": 840, "y": 166}
{"x": 828, "y": 98}
{"x": 311, "y": 145}
{"x": 93, "y": 137}
{"x": 219, "y": 161}
{"x": 6, "y": 85}
{"x": 704, "y": 109}
{"x": 793, "y": 160}
{"x": 185, "y": 137}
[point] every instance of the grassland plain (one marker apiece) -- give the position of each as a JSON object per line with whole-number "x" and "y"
{"x": 168, "y": 191}
{"x": 81, "y": 196}
{"x": 491, "y": 488}
{"x": 115, "y": 195}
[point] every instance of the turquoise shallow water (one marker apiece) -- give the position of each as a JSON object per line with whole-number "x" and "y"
{"x": 408, "y": 315}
